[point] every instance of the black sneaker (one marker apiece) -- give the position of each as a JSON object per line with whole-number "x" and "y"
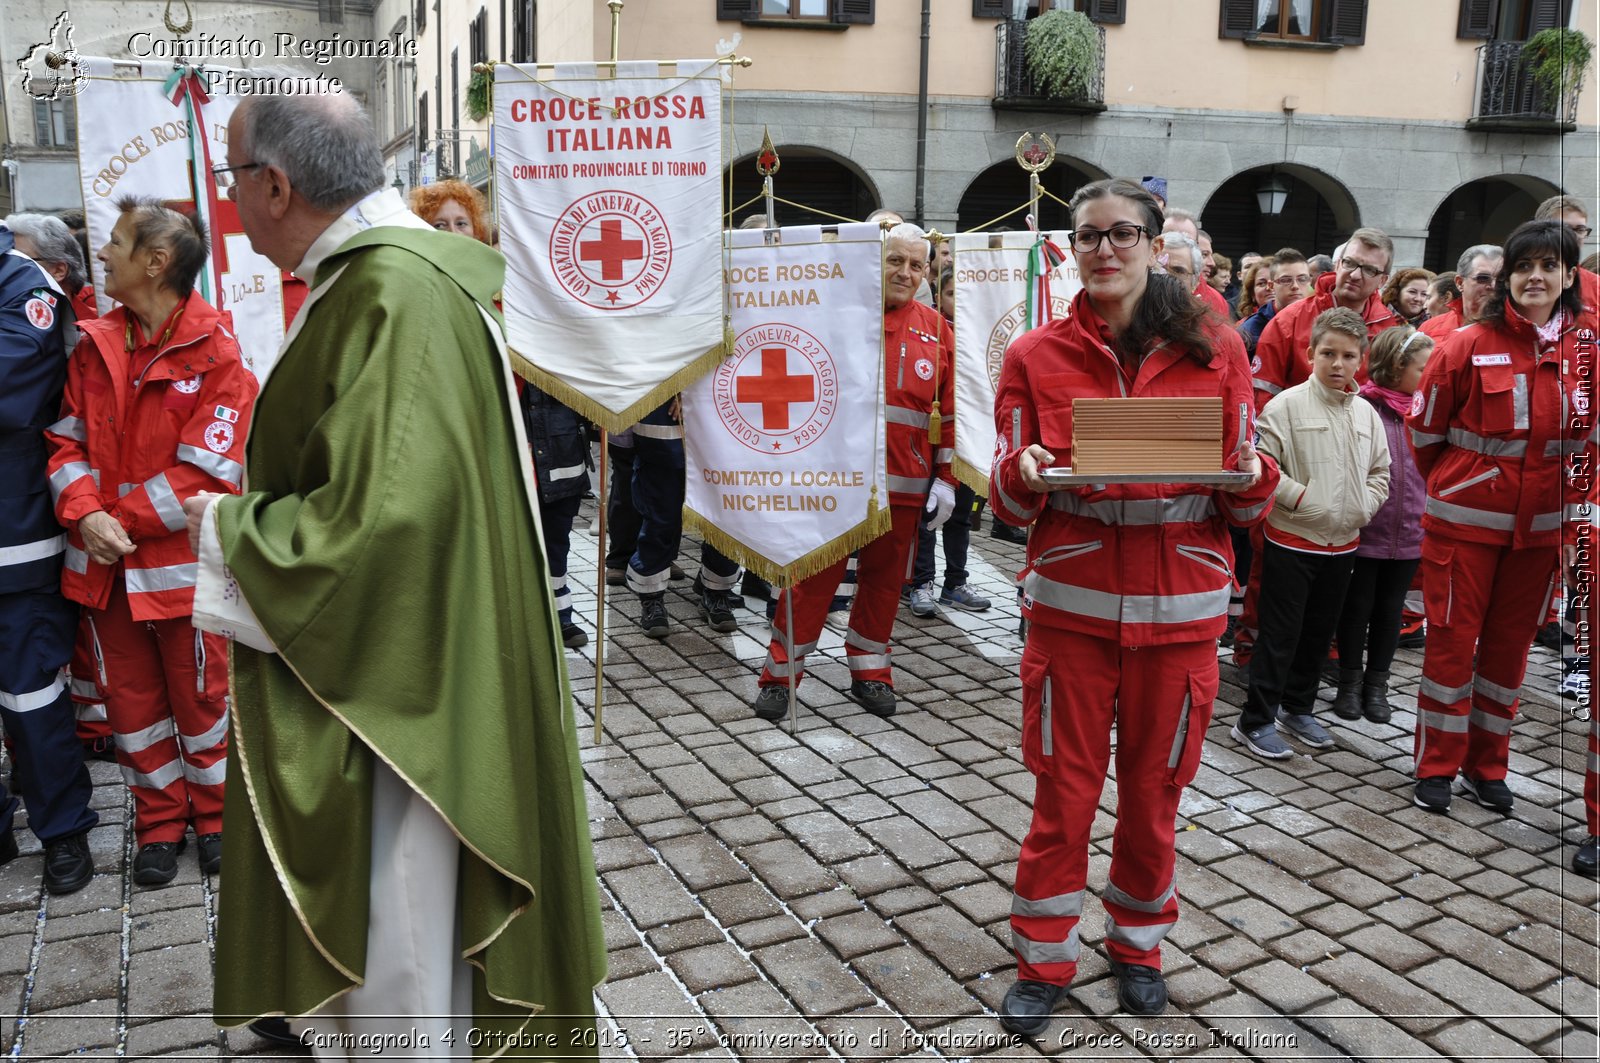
{"x": 1140, "y": 990}
{"x": 1432, "y": 793}
{"x": 1552, "y": 637}
{"x": 1586, "y": 859}
{"x": 1492, "y": 794}
{"x": 573, "y": 637}
{"x": 157, "y": 863}
{"x": 210, "y": 846}
{"x": 718, "y": 611}
{"x": 772, "y": 703}
{"x": 653, "y": 616}
{"x": 1006, "y": 533}
{"x": 275, "y": 1030}
{"x": 68, "y": 867}
{"x": 1027, "y": 1006}
{"x": 874, "y": 695}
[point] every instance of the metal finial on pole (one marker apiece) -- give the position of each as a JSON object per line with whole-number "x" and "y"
{"x": 616, "y": 28}
{"x": 1035, "y": 153}
{"x": 767, "y": 164}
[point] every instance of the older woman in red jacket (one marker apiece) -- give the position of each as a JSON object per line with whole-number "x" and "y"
{"x": 1127, "y": 590}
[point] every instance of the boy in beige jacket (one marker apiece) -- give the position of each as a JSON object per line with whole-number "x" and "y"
{"x": 1334, "y": 460}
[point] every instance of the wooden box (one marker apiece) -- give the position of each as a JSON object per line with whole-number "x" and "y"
{"x": 1147, "y": 436}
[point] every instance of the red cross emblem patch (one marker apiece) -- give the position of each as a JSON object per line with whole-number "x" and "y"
{"x": 39, "y": 314}
{"x": 779, "y": 391}
{"x": 219, "y": 437}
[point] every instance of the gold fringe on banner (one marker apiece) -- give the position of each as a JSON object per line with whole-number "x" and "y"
{"x": 878, "y": 521}
{"x": 613, "y": 422}
{"x": 972, "y": 477}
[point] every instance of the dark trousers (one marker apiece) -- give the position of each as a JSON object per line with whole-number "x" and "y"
{"x": 622, "y": 519}
{"x": 658, "y": 488}
{"x": 957, "y": 535}
{"x": 718, "y": 571}
{"x": 556, "y": 520}
{"x": 1301, "y": 595}
{"x": 1371, "y": 614}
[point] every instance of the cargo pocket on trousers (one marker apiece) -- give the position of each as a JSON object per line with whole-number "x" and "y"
{"x": 1438, "y": 583}
{"x": 1038, "y": 738}
{"x": 1189, "y": 739}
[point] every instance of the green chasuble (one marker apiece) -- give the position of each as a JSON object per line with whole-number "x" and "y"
{"x": 389, "y": 548}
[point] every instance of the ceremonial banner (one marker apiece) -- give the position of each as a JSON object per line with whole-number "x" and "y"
{"x": 785, "y": 441}
{"x": 146, "y": 128}
{"x": 994, "y": 295}
{"x": 610, "y": 215}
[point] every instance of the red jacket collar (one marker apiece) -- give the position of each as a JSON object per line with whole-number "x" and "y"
{"x": 200, "y": 319}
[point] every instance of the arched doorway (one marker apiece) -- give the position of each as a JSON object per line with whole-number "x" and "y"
{"x": 805, "y": 175}
{"x": 1482, "y": 212}
{"x": 1004, "y": 186}
{"x": 1317, "y": 215}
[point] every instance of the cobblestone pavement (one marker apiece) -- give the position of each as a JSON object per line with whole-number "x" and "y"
{"x": 842, "y": 892}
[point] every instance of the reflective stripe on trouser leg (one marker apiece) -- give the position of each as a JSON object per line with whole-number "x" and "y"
{"x": 658, "y": 496}
{"x": 563, "y": 597}
{"x": 197, "y": 681}
{"x": 718, "y": 572}
{"x": 880, "y": 572}
{"x": 1524, "y": 584}
{"x": 85, "y": 683}
{"x": 808, "y": 600}
{"x": 1457, "y": 576}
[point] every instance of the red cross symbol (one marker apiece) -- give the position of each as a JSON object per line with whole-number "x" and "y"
{"x": 611, "y": 250}
{"x": 775, "y": 388}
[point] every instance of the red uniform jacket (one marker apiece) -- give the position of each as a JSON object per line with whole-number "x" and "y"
{"x": 138, "y": 448}
{"x": 83, "y": 304}
{"x": 1214, "y": 299}
{"x": 1142, "y": 564}
{"x": 1283, "y": 352}
{"x": 919, "y": 351}
{"x": 1438, "y": 327}
{"x": 1494, "y": 426}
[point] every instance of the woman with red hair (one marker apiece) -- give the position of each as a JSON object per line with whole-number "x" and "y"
{"x": 454, "y": 207}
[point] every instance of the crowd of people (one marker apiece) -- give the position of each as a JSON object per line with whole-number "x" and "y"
{"x": 1385, "y": 431}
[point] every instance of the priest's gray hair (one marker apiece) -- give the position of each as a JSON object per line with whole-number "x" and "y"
{"x": 913, "y": 235}
{"x": 324, "y": 142}
{"x": 53, "y": 244}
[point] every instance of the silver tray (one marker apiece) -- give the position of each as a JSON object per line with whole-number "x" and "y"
{"x": 1065, "y": 477}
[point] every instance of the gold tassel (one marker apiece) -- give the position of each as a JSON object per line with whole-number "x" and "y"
{"x": 977, "y": 479}
{"x": 935, "y": 423}
{"x": 728, "y": 339}
{"x": 877, "y": 522}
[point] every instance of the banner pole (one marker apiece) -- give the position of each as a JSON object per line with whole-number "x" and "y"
{"x": 788, "y": 624}
{"x": 603, "y": 499}
{"x": 616, "y": 32}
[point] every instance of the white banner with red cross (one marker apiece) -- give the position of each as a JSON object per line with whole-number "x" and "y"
{"x": 610, "y": 212}
{"x": 147, "y": 128}
{"x": 1006, "y": 284}
{"x": 784, "y": 442}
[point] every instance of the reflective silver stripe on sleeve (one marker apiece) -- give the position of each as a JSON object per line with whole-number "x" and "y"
{"x": 142, "y": 739}
{"x": 124, "y": 490}
{"x": 1143, "y": 938}
{"x": 1127, "y": 608}
{"x": 91, "y": 711}
{"x": 1495, "y": 448}
{"x": 1442, "y": 694}
{"x": 1478, "y": 518}
{"x": 1269, "y": 388}
{"x": 1037, "y": 953}
{"x": 1555, "y": 448}
{"x": 1425, "y": 439}
{"x": 901, "y": 415}
{"x": 67, "y": 475}
{"x": 569, "y": 472}
{"x": 1011, "y": 505}
{"x": 867, "y": 662}
{"x": 658, "y": 431}
{"x": 1250, "y": 513}
{"x": 1433, "y": 397}
{"x": 911, "y": 485}
{"x": 160, "y": 779}
{"x": 1181, "y": 509}
{"x": 166, "y": 578}
{"x": 165, "y": 502}
{"x": 1519, "y": 401}
{"x": 84, "y": 688}
{"x": 215, "y": 775}
{"x": 222, "y": 468}
{"x": 76, "y": 560}
{"x": 1443, "y": 721}
{"x": 1061, "y": 906}
{"x": 34, "y": 699}
{"x": 202, "y": 742}
{"x": 944, "y": 456}
{"x": 861, "y": 642}
{"x": 1114, "y": 895}
{"x": 70, "y": 428}
{"x": 1490, "y": 689}
{"x": 1544, "y": 522}
{"x": 1488, "y": 721}
{"x": 38, "y": 550}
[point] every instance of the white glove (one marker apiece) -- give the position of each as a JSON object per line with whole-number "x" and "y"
{"x": 941, "y": 503}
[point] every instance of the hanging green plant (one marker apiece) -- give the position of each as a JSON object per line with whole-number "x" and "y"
{"x": 478, "y": 96}
{"x": 1062, "y": 51}
{"x": 1559, "y": 58}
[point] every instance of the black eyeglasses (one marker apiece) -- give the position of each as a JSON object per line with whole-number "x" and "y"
{"x": 1085, "y": 241}
{"x": 1370, "y": 272}
{"x": 1484, "y": 280}
{"x": 223, "y": 175}
{"x": 1582, "y": 231}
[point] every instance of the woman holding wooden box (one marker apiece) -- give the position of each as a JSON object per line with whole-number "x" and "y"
{"x": 1127, "y": 590}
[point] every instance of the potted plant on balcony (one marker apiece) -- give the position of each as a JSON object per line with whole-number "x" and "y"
{"x": 1558, "y": 59}
{"x": 1061, "y": 52}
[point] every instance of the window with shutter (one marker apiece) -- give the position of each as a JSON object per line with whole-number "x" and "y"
{"x": 853, "y": 12}
{"x": 1109, "y": 11}
{"x": 1347, "y": 22}
{"x": 1547, "y": 14}
{"x": 738, "y": 9}
{"x": 991, "y": 8}
{"x": 1237, "y": 18}
{"x": 1476, "y": 19}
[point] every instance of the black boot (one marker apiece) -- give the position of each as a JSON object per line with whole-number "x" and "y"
{"x": 1347, "y": 702}
{"x": 1375, "y": 697}
{"x": 653, "y": 615}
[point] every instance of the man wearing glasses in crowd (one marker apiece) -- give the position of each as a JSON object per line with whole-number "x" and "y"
{"x": 1477, "y": 271}
{"x": 1291, "y": 282}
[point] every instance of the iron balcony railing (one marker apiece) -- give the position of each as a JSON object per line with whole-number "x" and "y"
{"x": 1015, "y": 87}
{"x": 1507, "y": 96}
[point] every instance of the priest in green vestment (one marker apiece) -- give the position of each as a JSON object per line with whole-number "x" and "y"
{"x": 405, "y": 826}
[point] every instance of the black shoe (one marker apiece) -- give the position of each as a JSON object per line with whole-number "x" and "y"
{"x": 753, "y": 586}
{"x": 615, "y": 577}
{"x": 1413, "y": 640}
{"x": 210, "y": 846}
{"x": 1006, "y": 533}
{"x": 1552, "y": 637}
{"x": 157, "y": 863}
{"x": 1347, "y": 701}
{"x": 653, "y": 616}
{"x": 1492, "y": 794}
{"x": 1586, "y": 861}
{"x": 1432, "y": 793}
{"x": 1375, "y": 697}
{"x": 275, "y": 1030}
{"x": 100, "y": 749}
{"x": 1228, "y": 633}
{"x": 1140, "y": 990}
{"x": 8, "y": 847}
{"x": 573, "y": 637}
{"x": 68, "y": 867}
{"x": 718, "y": 612}
{"x": 675, "y": 573}
{"x": 874, "y": 695}
{"x": 772, "y": 703}
{"x": 1027, "y": 1006}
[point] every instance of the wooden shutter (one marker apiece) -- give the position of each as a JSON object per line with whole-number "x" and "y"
{"x": 853, "y": 11}
{"x": 733, "y": 10}
{"x": 1111, "y": 11}
{"x": 1546, "y": 14}
{"x": 1237, "y": 19}
{"x": 990, "y": 8}
{"x": 1476, "y": 19}
{"x": 1346, "y": 22}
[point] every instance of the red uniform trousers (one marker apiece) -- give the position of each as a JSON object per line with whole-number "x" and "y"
{"x": 166, "y": 697}
{"x": 88, "y": 697}
{"x": 883, "y": 565}
{"x": 1488, "y": 599}
{"x": 1074, "y": 687}
{"x": 1591, "y": 772}
{"x": 1244, "y": 636}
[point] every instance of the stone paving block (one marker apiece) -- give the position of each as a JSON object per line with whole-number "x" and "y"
{"x": 693, "y": 784}
{"x": 1204, "y": 846}
{"x": 908, "y": 842}
{"x": 903, "y": 784}
{"x": 873, "y": 769}
{"x": 823, "y": 905}
{"x": 943, "y": 878}
{"x": 1272, "y": 884}
{"x": 78, "y": 1030}
{"x": 1492, "y": 883}
{"x": 1257, "y": 919}
{"x": 741, "y": 903}
{"x": 1389, "y": 947}
{"x": 669, "y": 828}
{"x": 757, "y": 1023}
{"x": 612, "y": 854}
{"x": 1355, "y": 888}
{"x": 655, "y": 1016}
{"x": 619, "y": 933}
{"x": 76, "y": 970}
{"x": 1473, "y": 1039}
{"x": 649, "y": 808}
{"x": 1481, "y": 913}
{"x": 1365, "y": 1035}
{"x": 1005, "y": 813}
{"x": 105, "y": 921}
{"x": 173, "y": 981}
{"x": 868, "y": 1034}
{"x": 105, "y": 891}
{"x": 162, "y": 929}
{"x": 1283, "y": 986}
{"x": 917, "y": 989}
{"x": 1405, "y": 913}
{"x": 960, "y": 947}
{"x": 1354, "y": 851}
{"x": 1195, "y": 928}
{"x": 1306, "y": 947}
{"x": 1248, "y": 1025}
{"x": 982, "y": 903}
{"x": 1190, "y": 990}
{"x": 701, "y": 862}
{"x": 689, "y": 934}
{"x": 1574, "y": 1044}
{"x": 940, "y": 814}
{"x": 1573, "y": 954}
{"x": 651, "y": 896}
{"x": 986, "y": 849}
{"x": 768, "y": 931}
{"x": 1287, "y": 852}
{"x": 827, "y": 837}
{"x": 1508, "y": 965}
{"x": 905, "y": 899}
{"x": 1478, "y": 995}
{"x": 745, "y": 830}
{"x": 714, "y": 966}
{"x": 873, "y": 874}
{"x": 813, "y": 977}
{"x": 1373, "y": 985}
{"x": 786, "y": 869}
{"x": 1231, "y": 954}
{"x": 187, "y": 1036}
{"x": 662, "y": 756}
